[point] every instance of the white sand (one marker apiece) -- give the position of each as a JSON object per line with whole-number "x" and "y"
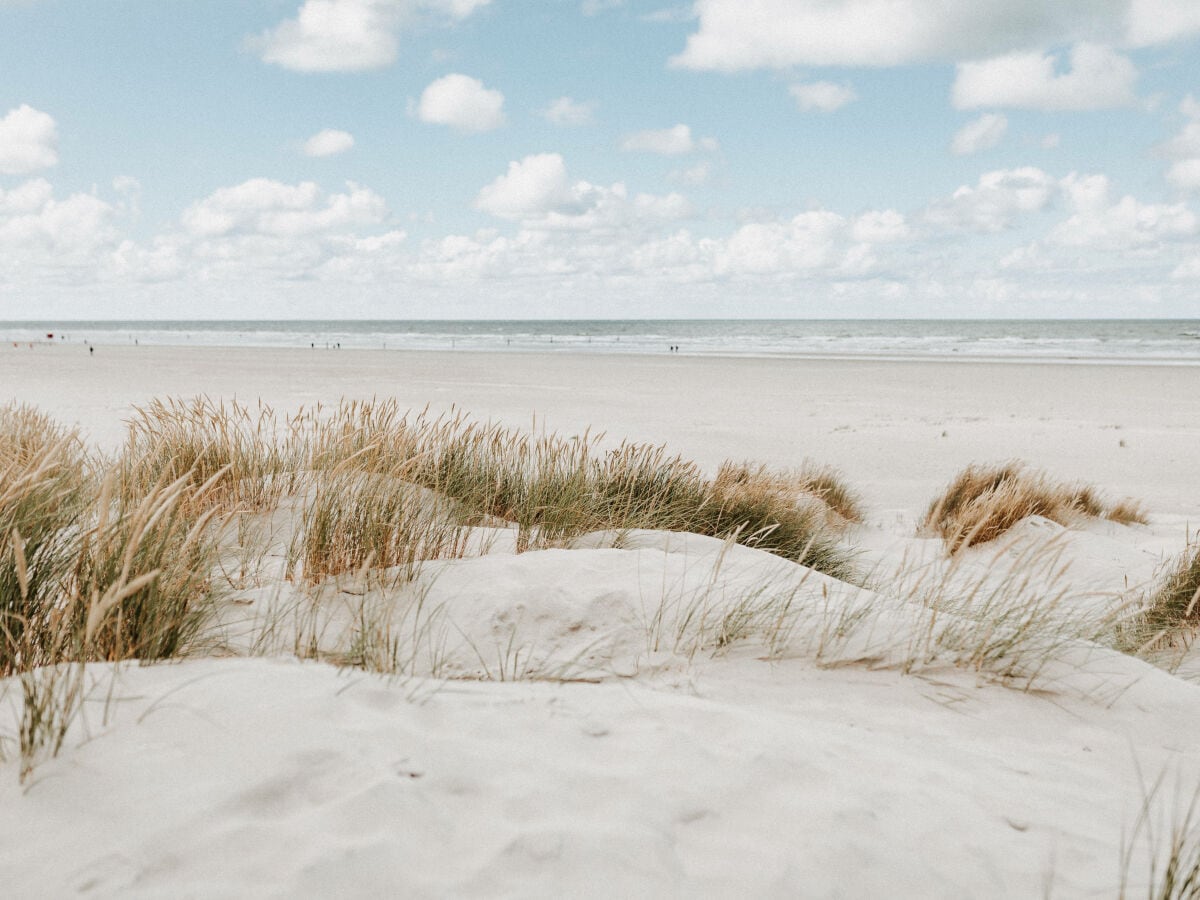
{"x": 675, "y": 773}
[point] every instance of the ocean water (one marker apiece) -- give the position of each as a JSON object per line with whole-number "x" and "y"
{"x": 1157, "y": 341}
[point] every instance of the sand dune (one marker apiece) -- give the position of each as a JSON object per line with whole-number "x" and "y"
{"x": 649, "y": 713}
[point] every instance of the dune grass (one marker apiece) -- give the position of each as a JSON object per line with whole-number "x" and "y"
{"x": 45, "y": 484}
{"x": 552, "y": 488}
{"x": 358, "y": 520}
{"x": 1167, "y": 828}
{"x": 252, "y": 452}
{"x": 89, "y": 571}
{"x": 114, "y": 559}
{"x": 985, "y": 501}
{"x": 1172, "y": 611}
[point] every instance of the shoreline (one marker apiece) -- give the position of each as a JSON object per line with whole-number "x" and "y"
{"x": 683, "y": 353}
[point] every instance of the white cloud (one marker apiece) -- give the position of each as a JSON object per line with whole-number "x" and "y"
{"x": 1185, "y": 174}
{"x": 47, "y": 240}
{"x": 1097, "y": 221}
{"x": 1098, "y": 78}
{"x": 30, "y": 216}
{"x": 538, "y": 192}
{"x": 328, "y": 142}
{"x": 462, "y": 103}
{"x": 674, "y": 141}
{"x": 883, "y": 226}
{"x": 979, "y": 134}
{"x": 1159, "y": 21}
{"x": 27, "y": 197}
{"x": 532, "y": 187}
{"x": 1050, "y": 141}
{"x": 350, "y": 35}
{"x": 813, "y": 244}
{"x": 736, "y": 35}
{"x": 824, "y": 96}
{"x": 565, "y": 111}
{"x": 264, "y": 207}
{"x": 1184, "y": 149}
{"x": 808, "y": 241}
{"x": 28, "y": 141}
{"x": 995, "y": 202}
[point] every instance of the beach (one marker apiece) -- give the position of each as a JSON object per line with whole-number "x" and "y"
{"x": 647, "y": 712}
{"x": 899, "y": 430}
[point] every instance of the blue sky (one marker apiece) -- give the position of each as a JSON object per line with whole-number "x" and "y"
{"x": 599, "y": 158}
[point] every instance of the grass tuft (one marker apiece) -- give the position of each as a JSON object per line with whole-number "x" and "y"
{"x": 358, "y": 520}
{"x": 201, "y": 439}
{"x": 1173, "y": 610}
{"x": 985, "y": 501}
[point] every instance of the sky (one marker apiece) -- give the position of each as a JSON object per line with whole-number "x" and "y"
{"x": 188, "y": 159}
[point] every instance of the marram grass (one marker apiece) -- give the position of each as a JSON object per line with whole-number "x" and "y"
{"x": 985, "y": 501}
{"x": 120, "y": 558}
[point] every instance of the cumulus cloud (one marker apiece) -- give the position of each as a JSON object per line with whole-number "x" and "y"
{"x": 328, "y": 142}
{"x": 31, "y": 216}
{"x": 995, "y": 202}
{"x": 1098, "y": 78}
{"x": 824, "y": 96}
{"x": 538, "y": 191}
{"x": 1099, "y": 222}
{"x": 735, "y": 35}
{"x": 979, "y": 134}
{"x": 674, "y": 141}
{"x": 533, "y": 186}
{"x": 28, "y": 141}
{"x": 462, "y": 103}
{"x": 565, "y": 111}
{"x": 49, "y": 239}
{"x": 816, "y": 243}
{"x": 350, "y": 35}
{"x": 265, "y": 207}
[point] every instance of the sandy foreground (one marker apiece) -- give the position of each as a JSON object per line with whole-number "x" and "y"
{"x": 853, "y": 754}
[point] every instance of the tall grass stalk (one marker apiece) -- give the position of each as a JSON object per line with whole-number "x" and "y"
{"x": 1168, "y": 828}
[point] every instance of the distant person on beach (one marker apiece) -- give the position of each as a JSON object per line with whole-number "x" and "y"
{"x": 91, "y": 351}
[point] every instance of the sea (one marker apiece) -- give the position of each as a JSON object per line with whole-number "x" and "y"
{"x": 1130, "y": 341}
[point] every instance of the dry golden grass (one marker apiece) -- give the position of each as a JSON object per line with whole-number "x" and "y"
{"x": 45, "y": 486}
{"x": 250, "y": 458}
{"x": 553, "y": 488}
{"x": 985, "y": 501}
{"x": 88, "y": 571}
{"x": 357, "y": 520}
{"x": 811, "y": 482}
{"x": 1128, "y": 512}
{"x": 1171, "y": 614}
